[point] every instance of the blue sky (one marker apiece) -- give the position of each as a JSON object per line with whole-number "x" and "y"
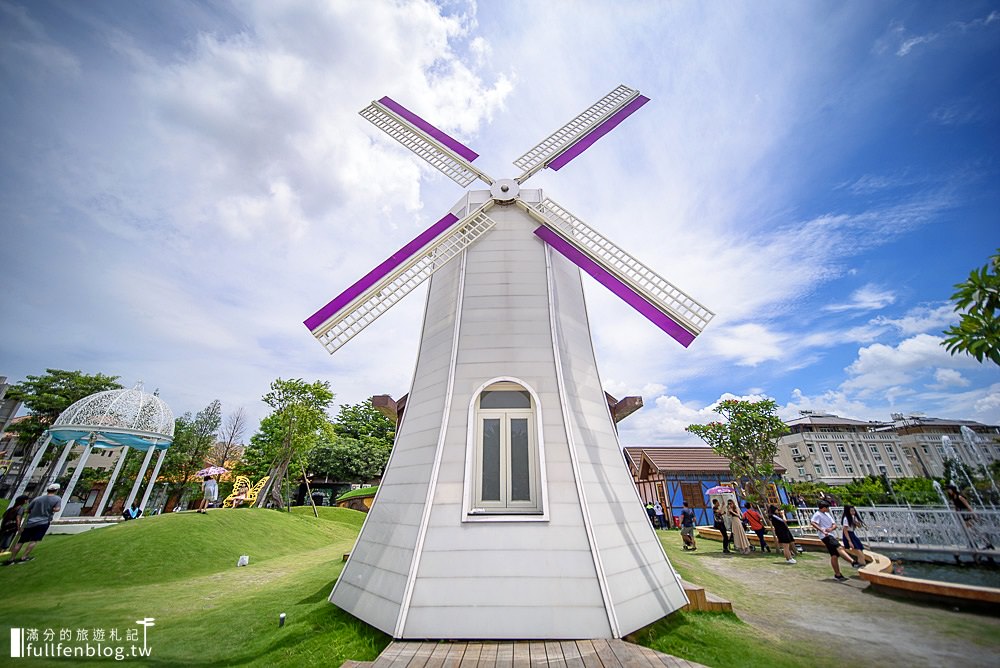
{"x": 182, "y": 184}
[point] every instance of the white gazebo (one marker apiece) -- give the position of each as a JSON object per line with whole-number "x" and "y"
{"x": 127, "y": 418}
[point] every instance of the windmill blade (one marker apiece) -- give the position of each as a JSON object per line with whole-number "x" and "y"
{"x": 361, "y": 304}
{"x": 441, "y": 151}
{"x": 669, "y": 308}
{"x": 581, "y": 133}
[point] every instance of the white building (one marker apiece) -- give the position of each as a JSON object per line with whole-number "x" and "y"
{"x": 972, "y": 443}
{"x": 828, "y": 448}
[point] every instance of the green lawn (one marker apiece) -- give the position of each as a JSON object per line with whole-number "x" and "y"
{"x": 723, "y": 639}
{"x": 181, "y": 570}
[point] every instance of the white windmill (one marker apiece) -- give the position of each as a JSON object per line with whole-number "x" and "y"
{"x": 506, "y": 510}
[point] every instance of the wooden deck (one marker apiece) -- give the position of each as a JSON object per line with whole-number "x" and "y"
{"x": 526, "y": 654}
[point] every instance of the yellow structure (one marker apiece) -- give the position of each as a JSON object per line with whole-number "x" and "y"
{"x": 243, "y": 492}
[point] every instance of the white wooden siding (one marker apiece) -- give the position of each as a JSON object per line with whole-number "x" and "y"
{"x": 507, "y": 579}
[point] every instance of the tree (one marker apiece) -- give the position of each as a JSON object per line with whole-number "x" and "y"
{"x": 229, "y": 447}
{"x": 262, "y": 450}
{"x": 916, "y": 491}
{"x": 748, "y": 439}
{"x": 348, "y": 459}
{"x": 868, "y": 491}
{"x": 188, "y": 454}
{"x": 977, "y": 300}
{"x": 364, "y": 421}
{"x": 300, "y": 408}
{"x": 48, "y": 395}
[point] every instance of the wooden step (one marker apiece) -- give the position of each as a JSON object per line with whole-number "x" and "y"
{"x": 704, "y": 601}
{"x": 717, "y": 604}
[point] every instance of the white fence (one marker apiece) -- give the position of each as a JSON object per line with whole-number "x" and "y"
{"x": 924, "y": 529}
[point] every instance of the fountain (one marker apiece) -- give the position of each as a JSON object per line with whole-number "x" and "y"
{"x": 953, "y": 453}
{"x": 972, "y": 443}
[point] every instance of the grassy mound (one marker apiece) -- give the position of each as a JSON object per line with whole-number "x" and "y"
{"x": 364, "y": 491}
{"x": 177, "y": 546}
{"x": 180, "y": 569}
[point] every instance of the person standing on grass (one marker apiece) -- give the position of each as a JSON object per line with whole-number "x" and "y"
{"x": 209, "y": 492}
{"x": 851, "y": 520}
{"x": 756, "y": 523}
{"x": 11, "y": 523}
{"x": 40, "y": 512}
{"x": 661, "y": 520}
{"x": 719, "y": 524}
{"x": 687, "y": 528}
{"x": 782, "y": 534}
{"x": 825, "y": 530}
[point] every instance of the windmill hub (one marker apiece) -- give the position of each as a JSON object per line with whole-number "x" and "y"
{"x": 504, "y": 191}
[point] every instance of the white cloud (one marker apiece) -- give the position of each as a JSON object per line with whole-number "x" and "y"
{"x": 748, "y": 344}
{"x": 954, "y": 29}
{"x": 831, "y": 401}
{"x": 880, "y": 367}
{"x": 663, "y": 421}
{"x": 867, "y": 298}
{"x": 26, "y": 48}
{"x": 988, "y": 405}
{"x": 920, "y": 319}
{"x": 945, "y": 378}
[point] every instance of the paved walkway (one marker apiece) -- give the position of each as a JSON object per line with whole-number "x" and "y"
{"x": 565, "y": 653}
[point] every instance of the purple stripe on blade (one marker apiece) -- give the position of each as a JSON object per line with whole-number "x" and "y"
{"x": 626, "y": 293}
{"x": 602, "y": 129}
{"x": 379, "y": 272}
{"x": 448, "y": 141}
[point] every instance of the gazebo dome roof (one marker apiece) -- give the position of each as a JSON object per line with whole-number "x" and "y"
{"x": 118, "y": 416}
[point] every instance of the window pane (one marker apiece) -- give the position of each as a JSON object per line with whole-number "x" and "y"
{"x": 491, "y": 460}
{"x": 504, "y": 399}
{"x": 520, "y": 473}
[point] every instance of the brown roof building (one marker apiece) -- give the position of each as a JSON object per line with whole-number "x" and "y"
{"x": 675, "y": 474}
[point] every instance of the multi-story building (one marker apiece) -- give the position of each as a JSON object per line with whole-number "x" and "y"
{"x": 972, "y": 443}
{"x": 828, "y": 448}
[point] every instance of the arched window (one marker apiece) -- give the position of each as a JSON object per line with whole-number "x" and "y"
{"x": 506, "y": 470}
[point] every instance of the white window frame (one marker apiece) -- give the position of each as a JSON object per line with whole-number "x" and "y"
{"x": 472, "y": 509}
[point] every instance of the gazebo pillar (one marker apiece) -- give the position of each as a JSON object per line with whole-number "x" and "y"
{"x": 31, "y": 467}
{"x": 138, "y": 478}
{"x": 111, "y": 483}
{"x": 152, "y": 480}
{"x": 62, "y": 461}
{"x": 72, "y": 481}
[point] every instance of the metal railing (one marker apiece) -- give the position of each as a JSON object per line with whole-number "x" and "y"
{"x": 925, "y": 529}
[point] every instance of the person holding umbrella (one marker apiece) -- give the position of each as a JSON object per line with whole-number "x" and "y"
{"x": 209, "y": 486}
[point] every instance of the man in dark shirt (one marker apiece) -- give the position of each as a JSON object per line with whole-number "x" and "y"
{"x": 40, "y": 512}
{"x": 687, "y": 528}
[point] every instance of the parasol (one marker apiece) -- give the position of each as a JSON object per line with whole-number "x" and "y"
{"x": 211, "y": 470}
